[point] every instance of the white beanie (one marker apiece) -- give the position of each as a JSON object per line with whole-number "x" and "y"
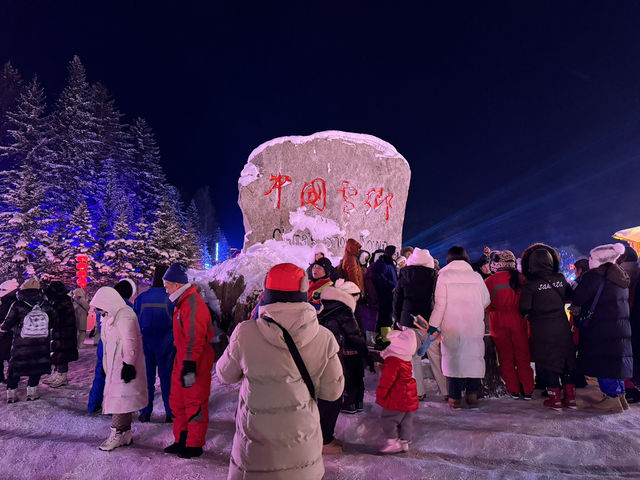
{"x": 343, "y": 291}
{"x": 420, "y": 257}
{"x": 319, "y": 248}
{"x": 8, "y": 287}
{"x": 403, "y": 344}
{"x": 605, "y": 254}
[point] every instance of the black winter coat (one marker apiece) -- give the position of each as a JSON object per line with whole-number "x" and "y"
{"x": 604, "y": 350}
{"x": 339, "y": 319}
{"x": 414, "y": 294}
{"x": 635, "y": 333}
{"x": 64, "y": 342}
{"x": 385, "y": 280}
{"x": 5, "y": 340}
{"x": 29, "y": 356}
{"x": 544, "y": 294}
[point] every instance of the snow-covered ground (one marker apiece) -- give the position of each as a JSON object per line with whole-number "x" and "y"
{"x": 54, "y": 438}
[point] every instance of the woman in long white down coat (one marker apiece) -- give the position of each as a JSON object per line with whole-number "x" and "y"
{"x": 125, "y": 389}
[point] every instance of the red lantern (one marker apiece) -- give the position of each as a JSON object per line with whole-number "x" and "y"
{"x": 82, "y": 268}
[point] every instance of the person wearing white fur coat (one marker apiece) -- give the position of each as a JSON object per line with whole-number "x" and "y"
{"x": 125, "y": 388}
{"x": 460, "y": 299}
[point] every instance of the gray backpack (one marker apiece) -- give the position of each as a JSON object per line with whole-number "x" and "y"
{"x": 35, "y": 323}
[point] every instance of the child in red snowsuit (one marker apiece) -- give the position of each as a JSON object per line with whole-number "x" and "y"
{"x": 397, "y": 391}
{"x": 508, "y": 327}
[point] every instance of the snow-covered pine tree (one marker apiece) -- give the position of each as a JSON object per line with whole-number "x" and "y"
{"x": 118, "y": 250}
{"x": 145, "y": 168}
{"x": 142, "y": 252}
{"x": 167, "y": 234}
{"x": 208, "y": 223}
{"x": 76, "y": 142}
{"x": 194, "y": 246}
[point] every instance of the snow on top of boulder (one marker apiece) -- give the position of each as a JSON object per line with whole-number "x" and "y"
{"x": 320, "y": 227}
{"x": 254, "y": 263}
{"x": 249, "y": 174}
{"x": 386, "y": 149}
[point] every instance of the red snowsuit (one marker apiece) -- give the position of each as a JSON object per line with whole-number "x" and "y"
{"x": 192, "y": 331}
{"x": 510, "y": 333}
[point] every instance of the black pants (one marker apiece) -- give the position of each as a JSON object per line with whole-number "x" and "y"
{"x": 353, "y": 380}
{"x": 456, "y": 385}
{"x": 384, "y": 319}
{"x": 12, "y": 382}
{"x": 329, "y": 412}
{"x": 552, "y": 379}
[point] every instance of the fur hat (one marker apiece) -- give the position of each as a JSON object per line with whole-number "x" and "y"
{"x": 8, "y": 287}
{"x": 421, "y": 257}
{"x": 319, "y": 248}
{"x": 285, "y": 282}
{"x": 503, "y": 260}
{"x": 605, "y": 254}
{"x": 30, "y": 283}
{"x": 343, "y": 291}
{"x": 176, "y": 273}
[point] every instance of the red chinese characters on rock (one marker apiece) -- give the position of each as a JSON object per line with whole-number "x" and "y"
{"x": 378, "y": 201}
{"x": 314, "y": 194}
{"x": 279, "y": 181}
{"x": 348, "y": 192}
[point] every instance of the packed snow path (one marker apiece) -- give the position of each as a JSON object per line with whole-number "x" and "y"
{"x": 54, "y": 438}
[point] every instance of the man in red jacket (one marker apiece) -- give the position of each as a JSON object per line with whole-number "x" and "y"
{"x": 191, "y": 376}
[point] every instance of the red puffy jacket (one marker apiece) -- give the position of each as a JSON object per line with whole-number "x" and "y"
{"x": 397, "y": 389}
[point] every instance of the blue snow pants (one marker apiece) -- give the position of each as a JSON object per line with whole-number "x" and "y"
{"x": 158, "y": 356}
{"x": 97, "y": 389}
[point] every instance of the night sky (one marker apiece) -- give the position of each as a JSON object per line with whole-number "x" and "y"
{"x": 520, "y": 120}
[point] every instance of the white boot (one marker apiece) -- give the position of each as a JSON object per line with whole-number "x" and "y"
{"x": 12, "y": 396}
{"x": 51, "y": 378}
{"x": 32, "y": 393}
{"x": 59, "y": 381}
{"x": 116, "y": 439}
{"x": 392, "y": 445}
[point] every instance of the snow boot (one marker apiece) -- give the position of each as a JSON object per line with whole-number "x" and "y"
{"x": 553, "y": 402}
{"x": 608, "y": 404}
{"x": 623, "y": 402}
{"x": 392, "y": 445}
{"x": 332, "y": 448}
{"x": 32, "y": 393}
{"x": 178, "y": 446}
{"x": 359, "y": 407}
{"x": 59, "y": 381}
{"x": 569, "y": 400}
{"x": 472, "y": 401}
{"x": 51, "y": 378}
{"x": 632, "y": 395}
{"x": 454, "y": 404}
{"x": 190, "y": 452}
{"x": 116, "y": 439}
{"x": 349, "y": 409}
{"x": 12, "y": 395}
{"x": 405, "y": 445}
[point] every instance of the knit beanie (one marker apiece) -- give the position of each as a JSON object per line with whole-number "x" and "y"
{"x": 30, "y": 283}
{"x": 285, "y": 282}
{"x": 325, "y": 263}
{"x": 124, "y": 289}
{"x": 176, "y": 273}
{"x": 8, "y": 287}
{"x": 605, "y": 254}
{"x": 421, "y": 257}
{"x": 504, "y": 260}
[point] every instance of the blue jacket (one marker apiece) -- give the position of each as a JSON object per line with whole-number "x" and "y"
{"x": 155, "y": 315}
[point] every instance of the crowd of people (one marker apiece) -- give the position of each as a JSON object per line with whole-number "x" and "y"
{"x": 301, "y": 357}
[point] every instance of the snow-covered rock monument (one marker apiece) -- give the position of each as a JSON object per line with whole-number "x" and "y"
{"x": 326, "y": 187}
{"x": 299, "y": 191}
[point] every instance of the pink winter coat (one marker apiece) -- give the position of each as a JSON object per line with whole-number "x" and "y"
{"x": 122, "y": 343}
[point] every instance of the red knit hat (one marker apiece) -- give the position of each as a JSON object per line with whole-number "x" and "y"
{"x": 285, "y": 282}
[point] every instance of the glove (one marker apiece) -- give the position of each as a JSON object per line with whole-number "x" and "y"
{"x": 188, "y": 375}
{"x": 128, "y": 372}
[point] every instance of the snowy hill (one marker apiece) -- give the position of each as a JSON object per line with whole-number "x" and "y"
{"x": 54, "y": 438}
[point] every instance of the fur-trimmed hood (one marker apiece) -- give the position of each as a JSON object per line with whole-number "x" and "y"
{"x": 340, "y": 295}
